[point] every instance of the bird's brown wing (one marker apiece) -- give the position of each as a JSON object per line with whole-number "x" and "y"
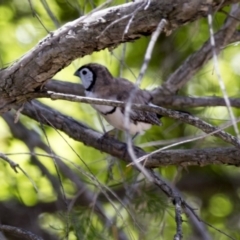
{"x": 127, "y": 89}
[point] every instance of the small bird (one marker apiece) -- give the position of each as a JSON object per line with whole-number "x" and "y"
{"x": 99, "y": 83}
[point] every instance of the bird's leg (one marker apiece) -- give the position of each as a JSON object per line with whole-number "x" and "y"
{"x": 109, "y": 134}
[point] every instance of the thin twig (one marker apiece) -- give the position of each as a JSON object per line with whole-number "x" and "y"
{"x": 38, "y": 113}
{"x": 16, "y": 166}
{"x": 216, "y": 67}
{"x": 12, "y": 164}
{"x": 128, "y": 106}
{"x": 36, "y": 15}
{"x": 174, "y": 196}
{"x": 132, "y": 17}
{"x": 162, "y": 24}
{"x": 186, "y": 207}
{"x": 178, "y": 218}
{"x": 50, "y": 13}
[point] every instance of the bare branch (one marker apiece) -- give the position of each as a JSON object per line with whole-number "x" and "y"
{"x": 65, "y": 87}
{"x": 195, "y": 157}
{"x": 186, "y": 102}
{"x": 194, "y": 62}
{"x": 19, "y": 232}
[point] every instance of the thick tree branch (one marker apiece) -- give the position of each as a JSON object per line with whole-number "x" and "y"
{"x": 89, "y": 137}
{"x": 169, "y": 101}
{"x": 65, "y": 87}
{"x": 77, "y": 130}
{"x": 19, "y": 232}
{"x": 189, "y": 102}
{"x": 201, "y": 157}
{"x": 85, "y": 35}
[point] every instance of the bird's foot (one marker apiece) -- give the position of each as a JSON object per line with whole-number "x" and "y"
{"x": 106, "y": 136}
{"x": 110, "y": 133}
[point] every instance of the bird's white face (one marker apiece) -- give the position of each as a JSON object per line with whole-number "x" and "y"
{"x": 87, "y": 77}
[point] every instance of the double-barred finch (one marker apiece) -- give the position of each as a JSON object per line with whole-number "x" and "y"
{"x": 99, "y": 83}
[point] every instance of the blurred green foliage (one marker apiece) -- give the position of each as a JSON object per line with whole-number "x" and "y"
{"x": 21, "y": 30}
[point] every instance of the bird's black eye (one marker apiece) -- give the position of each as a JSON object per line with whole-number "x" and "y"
{"x": 84, "y": 72}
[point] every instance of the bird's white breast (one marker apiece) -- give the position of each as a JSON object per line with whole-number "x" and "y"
{"x": 100, "y": 108}
{"x": 117, "y": 118}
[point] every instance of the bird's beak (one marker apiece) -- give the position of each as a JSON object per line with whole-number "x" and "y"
{"x": 76, "y": 73}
